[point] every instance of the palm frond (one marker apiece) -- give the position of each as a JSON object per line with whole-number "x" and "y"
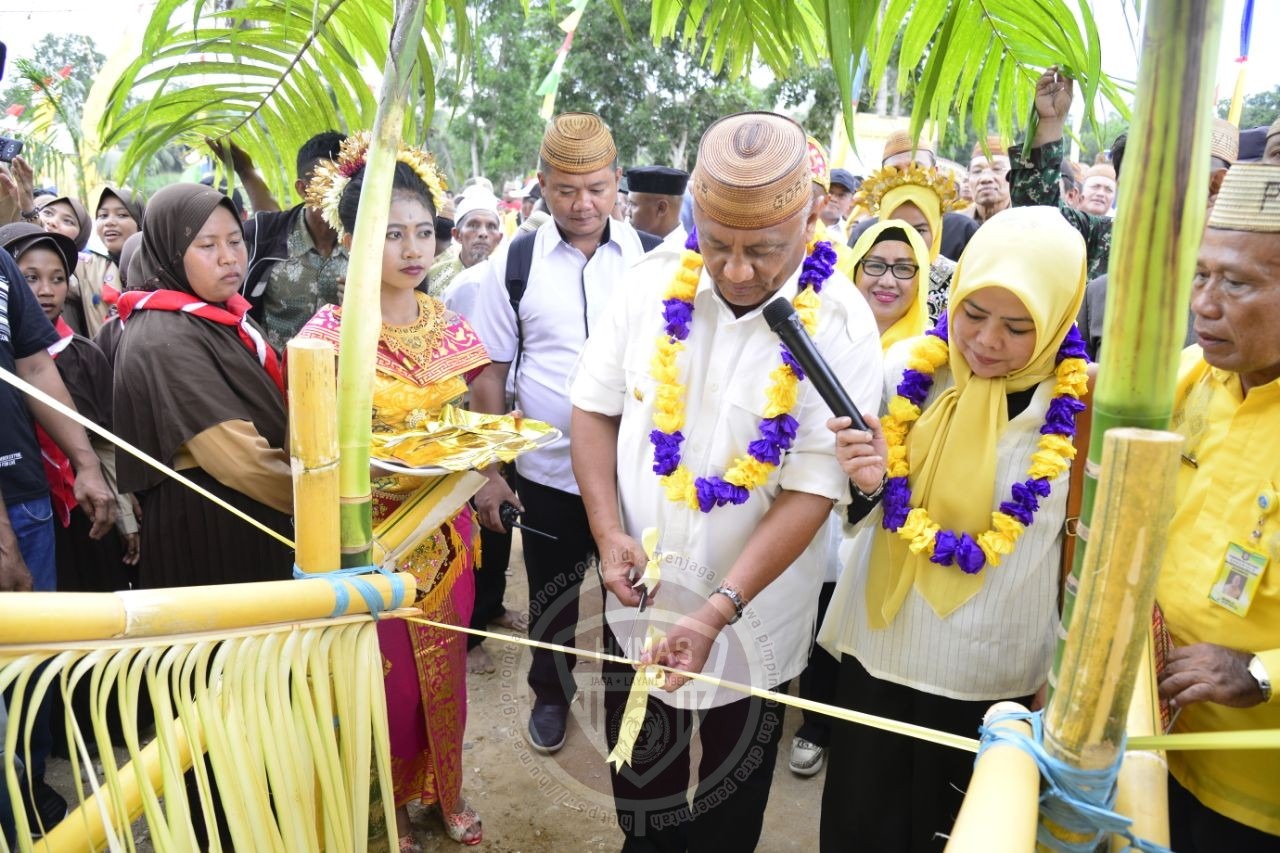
{"x": 979, "y": 58}
{"x": 268, "y": 75}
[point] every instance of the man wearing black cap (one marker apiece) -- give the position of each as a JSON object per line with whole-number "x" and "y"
{"x": 655, "y": 197}
{"x": 839, "y": 203}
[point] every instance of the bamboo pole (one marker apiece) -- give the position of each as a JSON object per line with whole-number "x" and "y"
{"x": 362, "y": 314}
{"x": 84, "y": 827}
{"x": 1143, "y": 787}
{"x": 1160, "y": 216}
{"x": 313, "y": 449}
{"x": 1003, "y": 801}
{"x": 1084, "y": 722}
{"x": 41, "y": 618}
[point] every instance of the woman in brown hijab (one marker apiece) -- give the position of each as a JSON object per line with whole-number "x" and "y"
{"x": 198, "y": 388}
{"x": 117, "y": 216}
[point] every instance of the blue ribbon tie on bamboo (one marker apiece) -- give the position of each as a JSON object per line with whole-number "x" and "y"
{"x": 1079, "y": 801}
{"x": 344, "y": 580}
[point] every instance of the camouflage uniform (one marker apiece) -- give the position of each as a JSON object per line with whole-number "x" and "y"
{"x": 298, "y": 286}
{"x": 1034, "y": 180}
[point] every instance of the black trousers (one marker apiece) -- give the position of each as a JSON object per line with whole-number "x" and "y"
{"x": 818, "y": 681}
{"x": 739, "y": 748}
{"x": 1196, "y": 828}
{"x": 491, "y": 577}
{"x": 888, "y": 792}
{"x": 555, "y": 570}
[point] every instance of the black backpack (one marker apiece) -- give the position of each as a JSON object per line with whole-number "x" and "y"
{"x": 520, "y": 260}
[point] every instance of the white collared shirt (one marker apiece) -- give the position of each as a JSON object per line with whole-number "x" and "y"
{"x": 565, "y": 297}
{"x": 725, "y": 366}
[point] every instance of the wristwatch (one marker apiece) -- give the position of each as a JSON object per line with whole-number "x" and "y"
{"x": 739, "y": 603}
{"x": 1259, "y": 673}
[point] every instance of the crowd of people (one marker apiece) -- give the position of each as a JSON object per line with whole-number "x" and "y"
{"x": 923, "y": 553}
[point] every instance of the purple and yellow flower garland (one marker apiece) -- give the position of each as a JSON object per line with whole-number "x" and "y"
{"x": 777, "y": 429}
{"x": 1051, "y": 459}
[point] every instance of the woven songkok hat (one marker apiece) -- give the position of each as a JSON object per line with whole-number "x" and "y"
{"x": 578, "y": 144}
{"x": 818, "y": 167}
{"x": 899, "y": 142}
{"x": 1249, "y": 199}
{"x": 752, "y": 171}
{"x": 1099, "y": 170}
{"x": 994, "y": 144}
{"x": 1224, "y": 141}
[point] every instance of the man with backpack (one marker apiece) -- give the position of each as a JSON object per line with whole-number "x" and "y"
{"x": 542, "y": 295}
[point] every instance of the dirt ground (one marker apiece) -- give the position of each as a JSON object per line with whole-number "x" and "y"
{"x": 532, "y": 803}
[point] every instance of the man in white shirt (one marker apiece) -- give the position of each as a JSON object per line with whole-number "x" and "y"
{"x": 750, "y": 555}
{"x": 572, "y": 265}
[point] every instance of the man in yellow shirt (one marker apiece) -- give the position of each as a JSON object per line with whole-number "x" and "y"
{"x": 1219, "y": 587}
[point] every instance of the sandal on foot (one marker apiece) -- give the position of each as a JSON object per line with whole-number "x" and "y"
{"x": 459, "y": 825}
{"x": 410, "y": 844}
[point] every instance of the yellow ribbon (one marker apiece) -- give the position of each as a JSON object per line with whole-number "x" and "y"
{"x": 1260, "y": 739}
{"x": 648, "y": 677}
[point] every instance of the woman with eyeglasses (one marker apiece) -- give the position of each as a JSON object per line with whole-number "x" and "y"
{"x": 888, "y": 258}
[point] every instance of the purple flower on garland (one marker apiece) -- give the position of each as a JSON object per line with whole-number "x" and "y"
{"x": 790, "y": 361}
{"x": 1072, "y": 346}
{"x": 776, "y": 437}
{"x": 1024, "y": 504}
{"x": 715, "y": 491}
{"x": 939, "y": 329}
{"x": 817, "y": 266}
{"x": 691, "y": 242}
{"x": 677, "y": 313}
{"x": 961, "y": 550}
{"x": 915, "y": 386}
{"x": 1061, "y": 416}
{"x": 666, "y": 451}
{"x": 780, "y": 430}
{"x": 896, "y": 502}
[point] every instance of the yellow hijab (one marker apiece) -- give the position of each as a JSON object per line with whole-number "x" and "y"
{"x": 913, "y": 322}
{"x": 930, "y": 205}
{"x": 951, "y": 451}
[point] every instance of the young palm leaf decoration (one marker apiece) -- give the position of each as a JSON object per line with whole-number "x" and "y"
{"x": 268, "y": 74}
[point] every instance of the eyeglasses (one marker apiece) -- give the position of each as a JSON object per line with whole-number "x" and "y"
{"x": 903, "y": 271}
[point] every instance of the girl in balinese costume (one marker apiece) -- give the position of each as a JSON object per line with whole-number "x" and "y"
{"x": 426, "y": 356}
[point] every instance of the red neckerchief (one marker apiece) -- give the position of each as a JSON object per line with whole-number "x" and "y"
{"x": 235, "y": 314}
{"x": 57, "y": 467}
{"x": 110, "y": 295}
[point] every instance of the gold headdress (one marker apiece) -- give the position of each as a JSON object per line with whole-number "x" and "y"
{"x": 331, "y": 177}
{"x": 882, "y": 180}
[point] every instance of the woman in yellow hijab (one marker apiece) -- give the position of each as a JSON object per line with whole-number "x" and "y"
{"x": 918, "y": 196}
{"x": 887, "y": 263}
{"x": 948, "y": 601}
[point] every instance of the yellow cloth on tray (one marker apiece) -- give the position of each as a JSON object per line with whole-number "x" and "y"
{"x": 458, "y": 440}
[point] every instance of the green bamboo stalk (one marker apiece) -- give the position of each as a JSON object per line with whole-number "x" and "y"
{"x": 1159, "y": 221}
{"x": 361, "y": 311}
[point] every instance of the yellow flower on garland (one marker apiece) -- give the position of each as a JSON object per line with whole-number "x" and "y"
{"x": 1051, "y": 460}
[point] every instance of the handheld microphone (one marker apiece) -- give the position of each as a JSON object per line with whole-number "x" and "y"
{"x": 784, "y": 323}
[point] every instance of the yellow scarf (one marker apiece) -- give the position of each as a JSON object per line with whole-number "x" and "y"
{"x": 951, "y": 450}
{"x": 925, "y": 199}
{"x": 913, "y": 322}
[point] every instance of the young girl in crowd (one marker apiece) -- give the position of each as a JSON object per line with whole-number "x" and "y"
{"x": 426, "y": 356}
{"x": 84, "y": 564}
{"x": 948, "y": 599}
{"x": 197, "y": 387}
{"x": 118, "y": 216}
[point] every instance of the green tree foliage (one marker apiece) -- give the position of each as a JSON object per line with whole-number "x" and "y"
{"x": 52, "y": 54}
{"x": 656, "y": 99}
{"x": 1258, "y": 110}
{"x": 490, "y": 125}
